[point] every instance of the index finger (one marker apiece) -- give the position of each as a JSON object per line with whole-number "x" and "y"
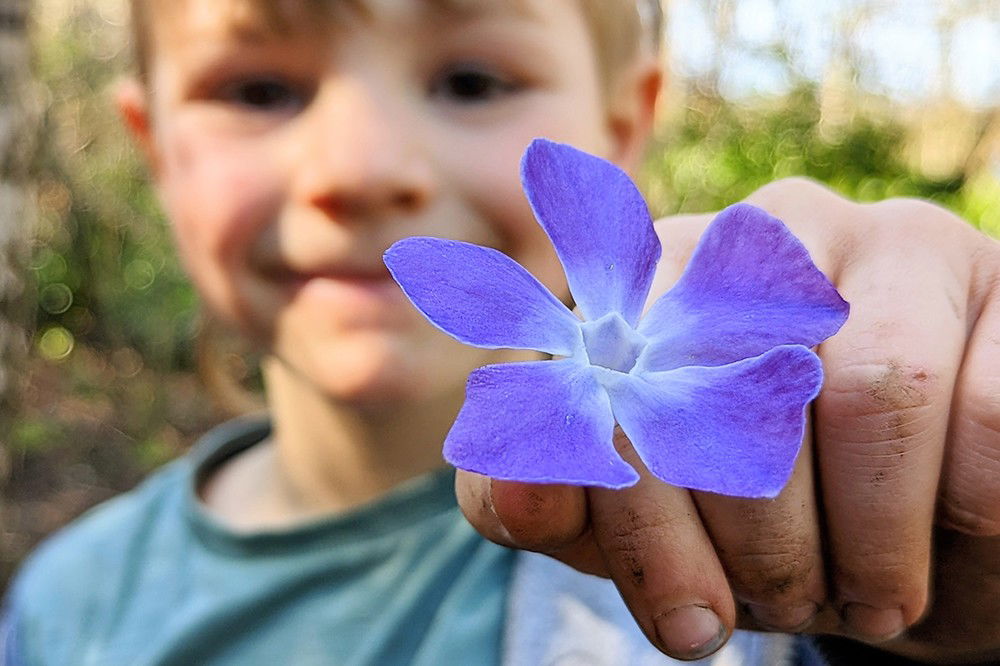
{"x": 542, "y": 517}
{"x": 663, "y": 563}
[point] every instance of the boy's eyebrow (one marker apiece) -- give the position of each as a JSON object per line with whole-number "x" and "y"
{"x": 257, "y": 20}
{"x": 481, "y": 6}
{"x": 458, "y": 8}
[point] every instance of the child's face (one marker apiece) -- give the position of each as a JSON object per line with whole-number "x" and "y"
{"x": 290, "y": 160}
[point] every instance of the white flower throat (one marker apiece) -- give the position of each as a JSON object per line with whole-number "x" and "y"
{"x": 611, "y": 343}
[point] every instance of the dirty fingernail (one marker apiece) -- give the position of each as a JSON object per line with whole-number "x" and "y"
{"x": 690, "y": 632}
{"x": 873, "y": 624}
{"x": 781, "y": 618}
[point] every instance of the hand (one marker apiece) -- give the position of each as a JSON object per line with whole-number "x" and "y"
{"x": 889, "y": 529}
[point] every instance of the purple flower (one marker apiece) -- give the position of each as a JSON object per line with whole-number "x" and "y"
{"x": 710, "y": 386}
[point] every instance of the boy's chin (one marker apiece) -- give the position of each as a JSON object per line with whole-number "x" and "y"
{"x": 375, "y": 391}
{"x": 375, "y": 376}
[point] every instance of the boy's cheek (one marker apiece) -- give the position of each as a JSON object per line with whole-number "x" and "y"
{"x": 219, "y": 202}
{"x": 214, "y": 239}
{"x": 504, "y": 207}
{"x": 214, "y": 286}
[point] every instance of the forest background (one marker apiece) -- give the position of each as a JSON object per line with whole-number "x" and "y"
{"x": 107, "y": 369}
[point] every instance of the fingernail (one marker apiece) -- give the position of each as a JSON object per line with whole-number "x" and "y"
{"x": 690, "y": 632}
{"x": 794, "y": 618}
{"x": 873, "y": 624}
{"x": 503, "y": 533}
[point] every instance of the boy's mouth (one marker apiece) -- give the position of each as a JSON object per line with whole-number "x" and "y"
{"x": 341, "y": 286}
{"x": 359, "y": 274}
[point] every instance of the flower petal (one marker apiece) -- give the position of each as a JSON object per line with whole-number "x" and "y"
{"x": 750, "y": 286}
{"x": 481, "y": 296}
{"x": 540, "y": 421}
{"x": 733, "y": 429}
{"x": 599, "y": 225}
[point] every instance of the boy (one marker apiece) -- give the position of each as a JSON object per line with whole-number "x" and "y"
{"x": 291, "y": 144}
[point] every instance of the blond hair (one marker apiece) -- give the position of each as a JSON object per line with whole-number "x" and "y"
{"x": 620, "y": 29}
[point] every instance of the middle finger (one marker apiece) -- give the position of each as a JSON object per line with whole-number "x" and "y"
{"x": 770, "y": 549}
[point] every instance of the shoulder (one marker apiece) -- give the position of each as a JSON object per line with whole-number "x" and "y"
{"x": 130, "y": 527}
{"x": 100, "y": 537}
{"x": 76, "y": 571}
{"x": 101, "y": 533}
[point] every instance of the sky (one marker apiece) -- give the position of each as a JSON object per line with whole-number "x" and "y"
{"x": 897, "y": 45}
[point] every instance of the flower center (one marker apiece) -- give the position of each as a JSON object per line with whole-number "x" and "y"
{"x": 611, "y": 343}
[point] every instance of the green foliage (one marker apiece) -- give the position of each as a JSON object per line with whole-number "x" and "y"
{"x": 110, "y": 392}
{"x": 33, "y": 436}
{"x": 718, "y": 153}
{"x": 105, "y": 273}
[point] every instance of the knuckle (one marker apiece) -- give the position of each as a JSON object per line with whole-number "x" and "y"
{"x": 912, "y": 228}
{"x": 922, "y": 219}
{"x": 795, "y": 200}
{"x": 770, "y": 552}
{"x": 774, "y": 576}
{"x": 982, "y": 414}
{"x": 630, "y": 541}
{"x": 539, "y": 518}
{"x": 974, "y": 512}
{"x": 882, "y": 402}
{"x": 635, "y": 531}
{"x": 973, "y": 521}
{"x": 970, "y": 496}
{"x": 986, "y": 254}
{"x": 797, "y": 186}
{"x": 884, "y": 580}
{"x": 891, "y": 383}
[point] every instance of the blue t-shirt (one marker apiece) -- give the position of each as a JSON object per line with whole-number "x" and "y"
{"x": 151, "y": 578}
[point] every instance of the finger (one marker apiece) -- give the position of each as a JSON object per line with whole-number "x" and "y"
{"x": 771, "y": 550}
{"x": 545, "y": 518}
{"x": 663, "y": 563}
{"x": 881, "y": 423}
{"x": 473, "y": 494}
{"x": 970, "y": 489}
{"x": 535, "y": 516}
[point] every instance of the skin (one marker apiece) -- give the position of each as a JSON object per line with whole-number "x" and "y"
{"x": 288, "y": 162}
{"x": 891, "y": 520}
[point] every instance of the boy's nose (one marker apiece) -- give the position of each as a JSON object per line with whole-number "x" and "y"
{"x": 362, "y": 156}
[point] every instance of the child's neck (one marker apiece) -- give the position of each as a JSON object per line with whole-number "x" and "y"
{"x": 344, "y": 456}
{"x": 325, "y": 458}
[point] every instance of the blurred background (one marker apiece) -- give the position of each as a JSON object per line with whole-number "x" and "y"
{"x": 105, "y": 366}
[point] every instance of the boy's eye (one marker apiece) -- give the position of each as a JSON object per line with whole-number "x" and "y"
{"x": 264, "y": 95}
{"x": 471, "y": 84}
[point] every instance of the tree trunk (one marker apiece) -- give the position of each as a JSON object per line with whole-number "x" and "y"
{"x": 18, "y": 133}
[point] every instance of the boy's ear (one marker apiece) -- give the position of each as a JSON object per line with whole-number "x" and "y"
{"x": 132, "y": 100}
{"x": 632, "y": 111}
